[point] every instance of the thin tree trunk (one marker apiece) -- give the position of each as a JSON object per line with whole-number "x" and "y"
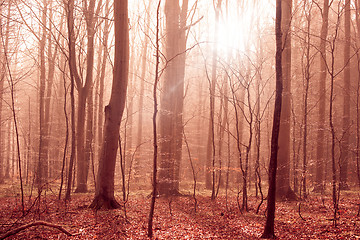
{"x": 306, "y": 96}
{"x": 138, "y": 164}
{"x": 155, "y": 156}
{"x": 3, "y": 72}
{"x": 42, "y": 168}
{"x": 345, "y": 148}
{"x": 269, "y": 225}
{"x": 83, "y": 95}
{"x": 102, "y": 75}
{"x": 73, "y": 74}
{"x": 319, "y": 177}
{"x": 211, "y": 151}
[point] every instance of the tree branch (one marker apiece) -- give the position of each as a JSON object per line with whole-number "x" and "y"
{"x": 37, "y": 223}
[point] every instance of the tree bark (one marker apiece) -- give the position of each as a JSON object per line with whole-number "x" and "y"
{"x": 319, "y": 176}
{"x": 73, "y": 75}
{"x": 284, "y": 190}
{"x": 42, "y": 167}
{"x": 345, "y": 150}
{"x": 269, "y": 225}
{"x": 104, "y": 191}
{"x": 155, "y": 143}
{"x": 210, "y": 149}
{"x": 3, "y": 72}
{"x": 171, "y": 122}
{"x": 83, "y": 92}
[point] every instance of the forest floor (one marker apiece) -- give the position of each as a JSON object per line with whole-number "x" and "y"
{"x": 175, "y": 218}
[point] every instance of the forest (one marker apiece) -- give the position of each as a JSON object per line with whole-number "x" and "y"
{"x": 180, "y": 119}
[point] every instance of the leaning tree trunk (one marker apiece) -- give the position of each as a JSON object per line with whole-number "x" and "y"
{"x": 104, "y": 191}
{"x": 269, "y": 225}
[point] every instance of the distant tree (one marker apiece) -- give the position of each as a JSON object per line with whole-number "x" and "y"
{"x": 319, "y": 176}
{"x": 69, "y": 9}
{"x": 210, "y": 148}
{"x": 103, "y": 55}
{"x": 84, "y": 89}
{"x": 308, "y": 61}
{"x": 271, "y": 198}
{"x": 42, "y": 167}
{"x": 345, "y": 148}
{"x": 144, "y": 55}
{"x": 104, "y": 191}
{"x": 357, "y": 152}
{"x": 4, "y": 31}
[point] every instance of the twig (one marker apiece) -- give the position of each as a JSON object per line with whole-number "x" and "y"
{"x": 37, "y": 223}
{"x": 300, "y": 212}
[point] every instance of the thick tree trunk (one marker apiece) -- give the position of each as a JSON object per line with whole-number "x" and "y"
{"x": 104, "y": 192}
{"x": 284, "y": 190}
{"x": 172, "y": 98}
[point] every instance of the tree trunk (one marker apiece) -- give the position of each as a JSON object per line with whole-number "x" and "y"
{"x": 269, "y": 225}
{"x": 210, "y": 150}
{"x": 319, "y": 177}
{"x": 284, "y": 190}
{"x": 104, "y": 192}
{"x": 155, "y": 143}
{"x": 102, "y": 75}
{"x": 42, "y": 167}
{"x": 141, "y": 94}
{"x": 306, "y": 97}
{"x": 2, "y": 80}
{"x": 345, "y": 148}
{"x": 49, "y": 83}
{"x": 83, "y": 92}
{"x": 172, "y": 98}
{"x": 73, "y": 76}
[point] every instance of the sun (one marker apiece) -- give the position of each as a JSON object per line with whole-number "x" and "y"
{"x": 238, "y": 25}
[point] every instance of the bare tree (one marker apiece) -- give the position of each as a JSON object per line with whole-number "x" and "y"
{"x": 84, "y": 90}
{"x": 319, "y": 178}
{"x": 283, "y": 181}
{"x": 269, "y": 225}
{"x": 210, "y": 150}
{"x": 155, "y": 155}
{"x": 172, "y": 98}
{"x": 345, "y": 148}
{"x": 104, "y": 192}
